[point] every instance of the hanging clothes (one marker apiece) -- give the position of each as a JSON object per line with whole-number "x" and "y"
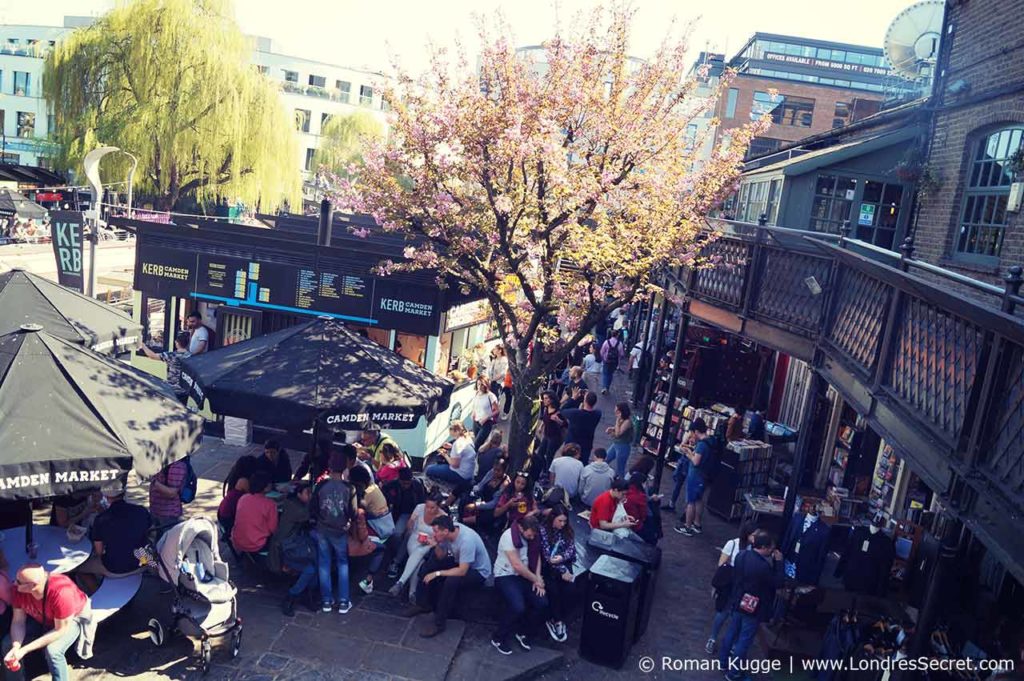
{"x": 805, "y": 544}
{"x": 841, "y": 637}
{"x": 866, "y": 562}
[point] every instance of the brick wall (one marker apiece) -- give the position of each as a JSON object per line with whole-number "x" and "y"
{"x": 825, "y": 98}
{"x": 987, "y": 52}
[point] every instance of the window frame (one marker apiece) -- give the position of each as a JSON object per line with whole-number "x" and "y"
{"x": 27, "y": 92}
{"x": 365, "y": 95}
{"x": 831, "y": 198}
{"x": 988, "y": 193}
{"x": 21, "y": 126}
{"x": 303, "y": 123}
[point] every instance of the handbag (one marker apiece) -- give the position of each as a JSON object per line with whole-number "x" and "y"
{"x": 748, "y": 603}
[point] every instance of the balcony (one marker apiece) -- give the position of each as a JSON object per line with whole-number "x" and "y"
{"x": 331, "y": 94}
{"x": 935, "y": 360}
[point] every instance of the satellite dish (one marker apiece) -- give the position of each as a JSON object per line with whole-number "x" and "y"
{"x": 912, "y": 40}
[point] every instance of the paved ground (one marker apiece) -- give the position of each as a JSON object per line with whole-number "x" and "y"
{"x": 375, "y": 643}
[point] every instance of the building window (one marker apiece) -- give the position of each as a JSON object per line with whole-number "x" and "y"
{"x": 26, "y": 124}
{"x": 13, "y": 159}
{"x": 344, "y": 90}
{"x": 324, "y": 120}
{"x": 730, "y": 102}
{"x": 759, "y": 146}
{"x": 842, "y": 115}
{"x": 22, "y": 83}
{"x": 983, "y": 217}
{"x": 365, "y": 95}
{"x": 51, "y": 124}
{"x": 317, "y": 81}
{"x": 878, "y": 213}
{"x": 291, "y": 76}
{"x": 833, "y": 198}
{"x": 795, "y": 111}
{"x": 302, "y": 117}
{"x": 762, "y": 104}
{"x": 310, "y": 153}
{"x": 691, "y": 136}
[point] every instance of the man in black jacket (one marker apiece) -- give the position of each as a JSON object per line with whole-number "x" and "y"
{"x": 757, "y": 575}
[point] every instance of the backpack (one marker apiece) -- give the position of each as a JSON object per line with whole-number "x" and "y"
{"x": 333, "y": 506}
{"x": 187, "y": 493}
{"x": 709, "y": 462}
{"x": 612, "y": 362}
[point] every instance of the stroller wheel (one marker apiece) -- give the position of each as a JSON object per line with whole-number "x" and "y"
{"x": 207, "y": 655}
{"x": 236, "y": 642}
{"x": 156, "y": 632}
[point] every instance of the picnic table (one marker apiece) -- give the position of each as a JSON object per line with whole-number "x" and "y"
{"x": 56, "y": 552}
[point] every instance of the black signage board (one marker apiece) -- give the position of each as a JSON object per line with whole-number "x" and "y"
{"x": 345, "y": 293}
{"x": 164, "y": 272}
{"x": 225, "y": 277}
{"x": 68, "y": 238}
{"x": 407, "y": 307}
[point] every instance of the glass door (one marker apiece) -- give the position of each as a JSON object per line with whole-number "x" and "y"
{"x": 878, "y": 213}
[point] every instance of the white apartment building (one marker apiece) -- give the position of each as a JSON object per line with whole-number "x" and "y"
{"x": 311, "y": 91}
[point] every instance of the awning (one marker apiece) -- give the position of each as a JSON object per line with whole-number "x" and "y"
{"x": 820, "y": 158}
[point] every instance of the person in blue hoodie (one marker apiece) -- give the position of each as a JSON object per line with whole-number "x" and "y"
{"x": 757, "y": 576}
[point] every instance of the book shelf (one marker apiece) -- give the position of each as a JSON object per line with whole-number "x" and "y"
{"x": 745, "y": 468}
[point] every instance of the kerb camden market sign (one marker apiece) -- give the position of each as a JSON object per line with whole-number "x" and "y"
{"x": 67, "y": 236}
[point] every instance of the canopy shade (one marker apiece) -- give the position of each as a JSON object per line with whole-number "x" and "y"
{"x": 74, "y": 419}
{"x": 12, "y": 203}
{"x": 29, "y": 299}
{"x": 317, "y": 370}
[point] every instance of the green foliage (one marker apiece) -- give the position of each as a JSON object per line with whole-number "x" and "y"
{"x": 342, "y": 141}
{"x": 171, "y": 82}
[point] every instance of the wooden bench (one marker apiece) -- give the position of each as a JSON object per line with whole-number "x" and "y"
{"x": 113, "y": 594}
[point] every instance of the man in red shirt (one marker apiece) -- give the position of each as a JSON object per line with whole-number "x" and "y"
{"x": 603, "y": 510}
{"x": 255, "y": 517}
{"x": 51, "y": 612}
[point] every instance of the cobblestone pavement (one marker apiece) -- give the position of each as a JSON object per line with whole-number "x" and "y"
{"x": 375, "y": 643}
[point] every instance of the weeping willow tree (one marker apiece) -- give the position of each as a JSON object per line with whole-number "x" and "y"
{"x": 171, "y": 81}
{"x": 342, "y": 141}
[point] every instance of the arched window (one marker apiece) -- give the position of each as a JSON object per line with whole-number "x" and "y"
{"x": 983, "y": 217}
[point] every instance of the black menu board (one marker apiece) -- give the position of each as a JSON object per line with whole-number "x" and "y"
{"x": 224, "y": 276}
{"x": 345, "y": 293}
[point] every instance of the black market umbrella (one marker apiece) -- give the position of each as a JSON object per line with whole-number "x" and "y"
{"x": 71, "y": 419}
{"x": 26, "y": 298}
{"x": 319, "y": 372}
{"x": 12, "y": 203}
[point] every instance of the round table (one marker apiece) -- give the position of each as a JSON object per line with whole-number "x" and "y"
{"x": 56, "y": 552}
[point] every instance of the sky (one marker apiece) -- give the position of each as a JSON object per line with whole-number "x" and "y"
{"x": 374, "y": 34}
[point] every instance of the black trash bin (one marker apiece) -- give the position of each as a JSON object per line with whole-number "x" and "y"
{"x": 610, "y": 611}
{"x": 648, "y": 557}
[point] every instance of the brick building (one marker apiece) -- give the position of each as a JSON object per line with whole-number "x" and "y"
{"x": 977, "y": 127}
{"x": 819, "y": 85}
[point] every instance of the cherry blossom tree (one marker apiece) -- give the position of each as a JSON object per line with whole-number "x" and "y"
{"x": 556, "y": 187}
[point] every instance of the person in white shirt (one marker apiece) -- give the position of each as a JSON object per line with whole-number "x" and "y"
{"x": 496, "y": 371}
{"x": 520, "y": 584}
{"x": 731, "y": 549}
{"x": 485, "y": 412}
{"x": 199, "y": 341}
{"x": 459, "y": 468}
{"x": 566, "y": 469}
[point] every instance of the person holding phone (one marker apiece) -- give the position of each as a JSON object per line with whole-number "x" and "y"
{"x": 558, "y": 549}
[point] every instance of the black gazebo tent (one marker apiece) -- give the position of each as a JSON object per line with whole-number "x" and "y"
{"x": 73, "y": 419}
{"x": 26, "y": 298}
{"x": 12, "y": 203}
{"x": 319, "y": 372}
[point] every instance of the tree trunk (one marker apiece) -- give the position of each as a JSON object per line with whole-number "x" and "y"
{"x": 519, "y": 428}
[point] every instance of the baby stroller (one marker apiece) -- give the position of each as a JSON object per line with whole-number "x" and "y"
{"x": 187, "y": 558}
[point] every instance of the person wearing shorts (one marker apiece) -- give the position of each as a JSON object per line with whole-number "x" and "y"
{"x": 695, "y": 484}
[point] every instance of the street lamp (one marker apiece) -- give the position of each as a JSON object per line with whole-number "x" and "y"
{"x": 91, "y": 164}
{"x": 131, "y": 176}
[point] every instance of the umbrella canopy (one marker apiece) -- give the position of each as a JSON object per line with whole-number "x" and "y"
{"x": 317, "y": 370}
{"x": 13, "y": 203}
{"x": 29, "y": 299}
{"x": 73, "y": 419}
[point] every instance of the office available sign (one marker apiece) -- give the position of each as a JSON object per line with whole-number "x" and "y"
{"x": 67, "y": 233}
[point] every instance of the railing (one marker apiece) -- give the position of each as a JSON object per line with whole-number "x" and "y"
{"x": 936, "y": 357}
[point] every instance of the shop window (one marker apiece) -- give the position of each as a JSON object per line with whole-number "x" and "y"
{"x": 833, "y": 199}
{"x": 983, "y": 217}
{"x": 317, "y": 81}
{"x": 464, "y": 351}
{"x": 302, "y": 117}
{"x": 291, "y": 76}
{"x": 26, "y": 124}
{"x": 878, "y": 213}
{"x": 344, "y": 90}
{"x": 22, "y": 83}
{"x": 730, "y": 102}
{"x": 842, "y": 115}
{"x": 365, "y": 95}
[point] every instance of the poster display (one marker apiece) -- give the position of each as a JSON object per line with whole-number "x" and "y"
{"x": 67, "y": 234}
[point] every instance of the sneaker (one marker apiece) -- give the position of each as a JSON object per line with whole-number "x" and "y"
{"x": 344, "y": 607}
{"x": 366, "y": 585}
{"x": 396, "y": 589}
{"x": 696, "y": 529}
{"x": 709, "y": 647}
{"x": 685, "y": 530}
{"x": 523, "y": 642}
{"x": 501, "y": 647}
{"x": 562, "y": 632}
{"x": 326, "y": 606}
{"x": 604, "y": 391}
{"x": 393, "y": 571}
{"x": 552, "y": 629}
